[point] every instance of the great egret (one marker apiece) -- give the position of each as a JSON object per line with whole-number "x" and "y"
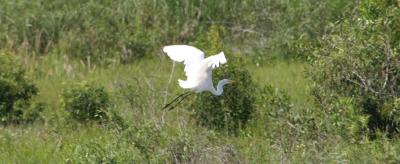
{"x": 197, "y": 69}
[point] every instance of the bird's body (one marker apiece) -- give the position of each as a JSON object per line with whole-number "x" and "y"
{"x": 197, "y": 68}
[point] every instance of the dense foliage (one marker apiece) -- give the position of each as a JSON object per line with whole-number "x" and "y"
{"x": 235, "y": 107}
{"x": 16, "y": 92}
{"x": 357, "y": 62}
{"x": 86, "y": 101}
{"x": 232, "y": 110}
{"x": 127, "y": 30}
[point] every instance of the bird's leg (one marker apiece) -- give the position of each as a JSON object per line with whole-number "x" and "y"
{"x": 183, "y": 98}
{"x": 172, "y": 104}
{"x": 177, "y": 98}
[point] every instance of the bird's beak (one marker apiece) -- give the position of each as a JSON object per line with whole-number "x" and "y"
{"x": 233, "y": 82}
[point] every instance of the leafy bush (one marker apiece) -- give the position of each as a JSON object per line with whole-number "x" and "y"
{"x": 357, "y": 63}
{"x": 16, "y": 92}
{"x": 281, "y": 119}
{"x": 232, "y": 110}
{"x": 86, "y": 101}
{"x": 234, "y": 107}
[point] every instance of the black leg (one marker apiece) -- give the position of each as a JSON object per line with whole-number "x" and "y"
{"x": 175, "y": 99}
{"x": 183, "y": 98}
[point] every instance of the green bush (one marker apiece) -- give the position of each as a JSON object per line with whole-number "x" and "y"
{"x": 86, "y": 101}
{"x": 280, "y": 118}
{"x": 357, "y": 63}
{"x": 16, "y": 92}
{"x": 233, "y": 109}
{"x": 274, "y": 103}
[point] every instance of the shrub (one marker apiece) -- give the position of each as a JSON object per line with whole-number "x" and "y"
{"x": 357, "y": 63}
{"x": 16, "y": 92}
{"x": 281, "y": 119}
{"x": 274, "y": 104}
{"x": 231, "y": 110}
{"x": 86, "y": 101}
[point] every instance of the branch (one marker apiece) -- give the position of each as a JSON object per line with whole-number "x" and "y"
{"x": 386, "y": 65}
{"x": 365, "y": 83}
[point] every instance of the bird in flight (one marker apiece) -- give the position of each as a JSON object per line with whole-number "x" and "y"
{"x": 198, "y": 70}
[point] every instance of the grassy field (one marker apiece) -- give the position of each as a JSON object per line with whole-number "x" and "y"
{"x": 149, "y": 139}
{"x": 117, "y": 45}
{"x": 61, "y": 140}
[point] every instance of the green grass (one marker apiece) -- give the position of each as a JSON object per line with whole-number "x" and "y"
{"x": 118, "y": 45}
{"x": 60, "y": 139}
{"x": 287, "y": 76}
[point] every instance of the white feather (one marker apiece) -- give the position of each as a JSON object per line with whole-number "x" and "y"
{"x": 186, "y": 54}
{"x": 197, "y": 69}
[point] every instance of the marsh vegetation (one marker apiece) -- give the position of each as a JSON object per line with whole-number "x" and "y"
{"x": 85, "y": 82}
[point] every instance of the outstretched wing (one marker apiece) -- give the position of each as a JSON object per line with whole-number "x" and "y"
{"x": 215, "y": 60}
{"x": 186, "y": 54}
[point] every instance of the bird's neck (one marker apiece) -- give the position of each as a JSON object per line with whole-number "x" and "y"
{"x": 220, "y": 88}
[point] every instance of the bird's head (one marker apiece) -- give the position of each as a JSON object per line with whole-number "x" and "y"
{"x": 226, "y": 81}
{"x": 232, "y": 82}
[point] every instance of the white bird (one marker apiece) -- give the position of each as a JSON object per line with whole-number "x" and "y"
{"x": 197, "y": 69}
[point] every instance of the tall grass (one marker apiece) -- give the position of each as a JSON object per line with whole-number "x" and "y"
{"x": 179, "y": 139}
{"x": 128, "y": 30}
{"x": 117, "y": 44}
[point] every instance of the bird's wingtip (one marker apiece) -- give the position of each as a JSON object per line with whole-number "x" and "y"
{"x": 223, "y": 58}
{"x": 165, "y": 49}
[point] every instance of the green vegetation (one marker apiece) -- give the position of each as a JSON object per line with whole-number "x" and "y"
{"x": 16, "y": 93}
{"x": 356, "y": 69}
{"x": 235, "y": 108}
{"x": 86, "y": 102}
{"x": 317, "y": 82}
